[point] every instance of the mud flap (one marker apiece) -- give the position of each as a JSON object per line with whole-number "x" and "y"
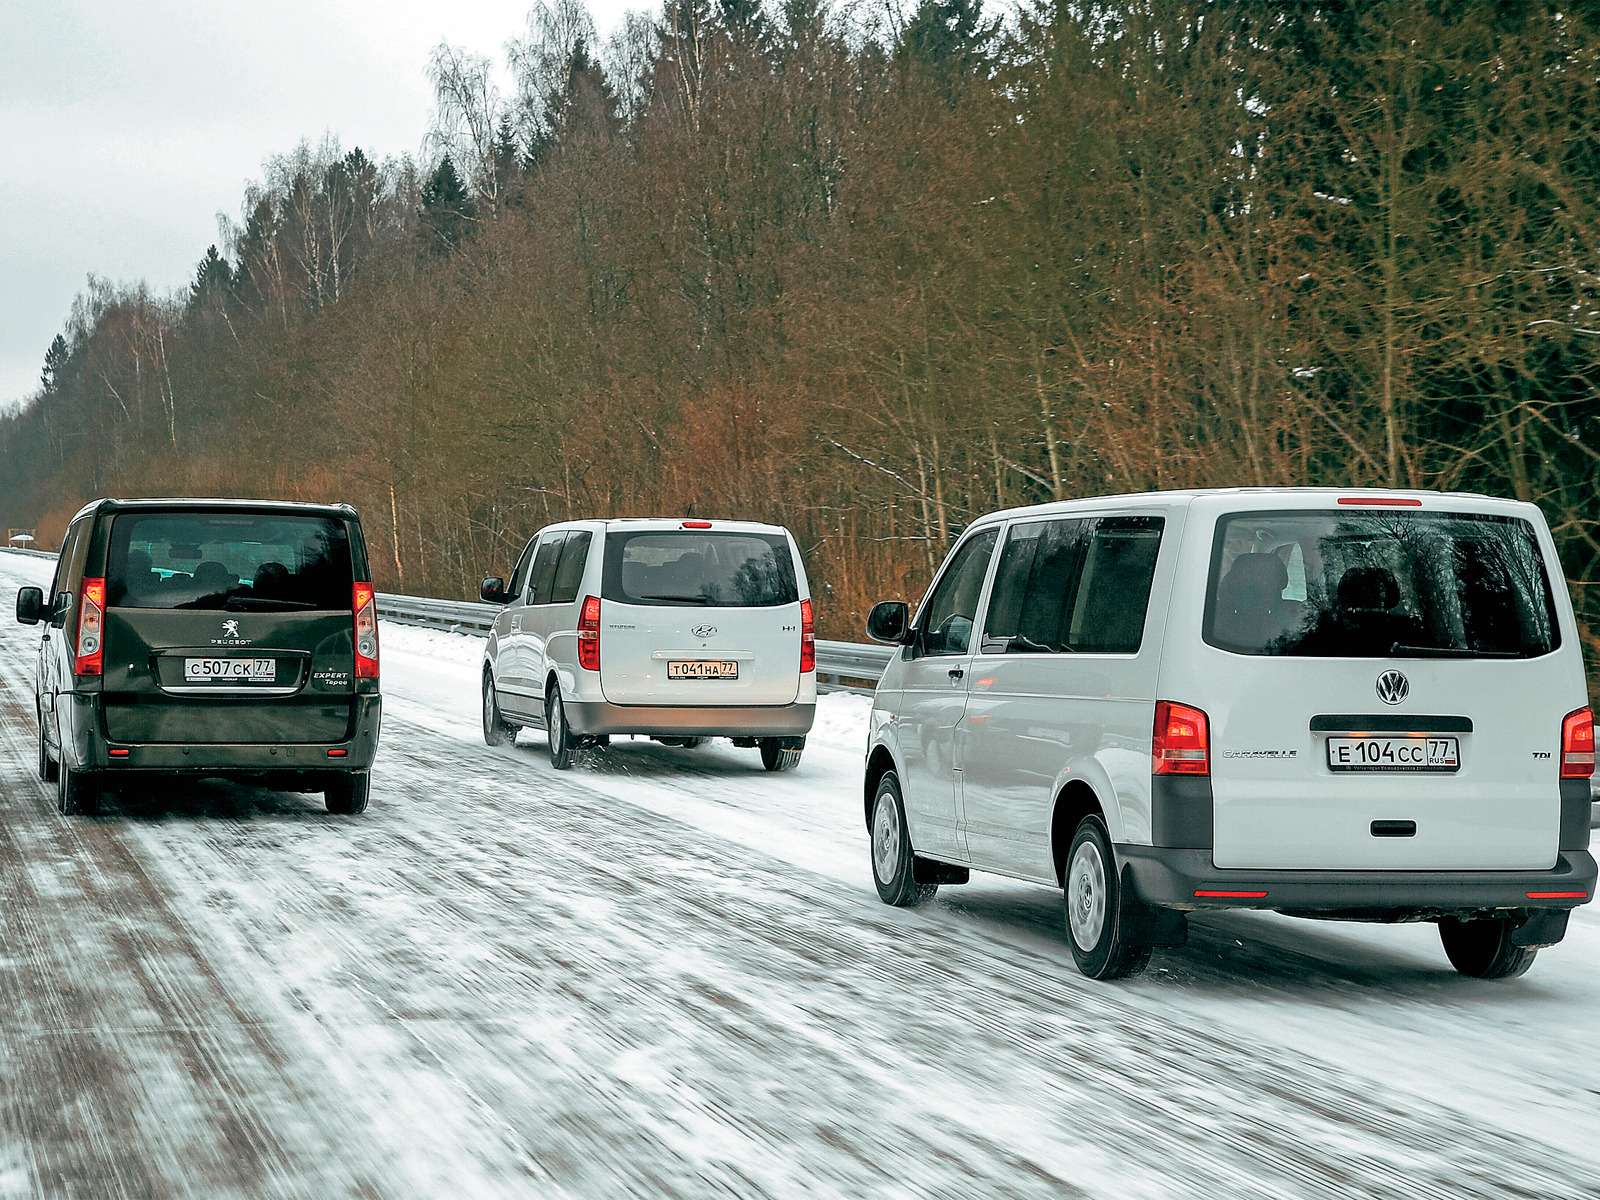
{"x": 1149, "y": 924}
{"x": 1544, "y": 927}
{"x": 927, "y": 870}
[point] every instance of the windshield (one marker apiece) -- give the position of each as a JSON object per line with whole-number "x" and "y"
{"x": 723, "y": 570}
{"x": 1379, "y": 585}
{"x": 228, "y": 561}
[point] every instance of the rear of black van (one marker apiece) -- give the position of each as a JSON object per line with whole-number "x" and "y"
{"x": 240, "y": 639}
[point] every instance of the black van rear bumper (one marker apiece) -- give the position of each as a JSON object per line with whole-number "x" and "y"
{"x": 96, "y": 752}
{"x": 1187, "y": 880}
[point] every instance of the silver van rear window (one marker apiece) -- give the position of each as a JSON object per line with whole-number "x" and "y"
{"x": 1331, "y": 584}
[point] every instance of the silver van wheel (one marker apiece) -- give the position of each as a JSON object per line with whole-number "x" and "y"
{"x": 1086, "y": 896}
{"x": 886, "y": 841}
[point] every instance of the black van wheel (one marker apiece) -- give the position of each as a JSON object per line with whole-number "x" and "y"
{"x": 77, "y": 792}
{"x": 1483, "y": 949}
{"x": 555, "y": 720}
{"x": 497, "y": 731}
{"x": 1103, "y": 918}
{"x": 348, "y": 796}
{"x": 894, "y": 863}
{"x": 47, "y": 765}
{"x": 775, "y": 758}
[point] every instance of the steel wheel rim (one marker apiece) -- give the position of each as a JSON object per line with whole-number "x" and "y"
{"x": 886, "y": 838}
{"x": 557, "y": 730}
{"x": 1086, "y": 896}
{"x": 488, "y": 705}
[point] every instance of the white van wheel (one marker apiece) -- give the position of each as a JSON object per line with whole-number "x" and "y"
{"x": 894, "y": 864}
{"x": 1482, "y": 949}
{"x": 1102, "y": 917}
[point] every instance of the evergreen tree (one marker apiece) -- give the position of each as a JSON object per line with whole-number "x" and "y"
{"x": 55, "y": 365}
{"x": 447, "y": 211}
{"x": 213, "y": 280}
{"x": 507, "y": 157}
{"x": 951, "y": 39}
{"x": 588, "y": 106}
{"x": 745, "y": 22}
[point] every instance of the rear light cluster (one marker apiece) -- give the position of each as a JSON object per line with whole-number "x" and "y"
{"x": 1577, "y": 745}
{"x": 365, "y": 604}
{"x": 589, "y": 634}
{"x": 1181, "y": 744}
{"x": 90, "y": 653}
{"x": 808, "y": 638}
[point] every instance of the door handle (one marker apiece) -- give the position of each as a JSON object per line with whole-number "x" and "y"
{"x": 957, "y": 674}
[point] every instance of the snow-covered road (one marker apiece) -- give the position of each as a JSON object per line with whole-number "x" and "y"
{"x": 667, "y": 974}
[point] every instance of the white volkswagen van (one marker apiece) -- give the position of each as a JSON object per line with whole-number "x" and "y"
{"x": 1363, "y": 705}
{"x": 677, "y": 629}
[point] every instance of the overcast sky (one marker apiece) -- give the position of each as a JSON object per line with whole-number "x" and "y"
{"x": 126, "y": 126}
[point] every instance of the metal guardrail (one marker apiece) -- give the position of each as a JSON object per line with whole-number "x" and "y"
{"x": 841, "y": 666}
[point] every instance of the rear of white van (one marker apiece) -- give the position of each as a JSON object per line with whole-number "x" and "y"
{"x": 1383, "y": 710}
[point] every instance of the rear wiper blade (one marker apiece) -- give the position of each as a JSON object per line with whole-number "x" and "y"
{"x": 262, "y": 603}
{"x": 701, "y": 600}
{"x": 1402, "y": 650}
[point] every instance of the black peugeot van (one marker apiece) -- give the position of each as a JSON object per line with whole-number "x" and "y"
{"x": 232, "y": 638}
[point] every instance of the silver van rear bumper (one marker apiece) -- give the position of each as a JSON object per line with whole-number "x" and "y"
{"x": 596, "y": 718}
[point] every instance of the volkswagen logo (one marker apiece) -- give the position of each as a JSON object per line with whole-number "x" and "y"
{"x": 1393, "y": 687}
{"x": 704, "y": 631}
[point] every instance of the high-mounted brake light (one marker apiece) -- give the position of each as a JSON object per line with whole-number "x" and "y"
{"x": 589, "y": 634}
{"x": 697, "y": 525}
{"x": 364, "y": 603}
{"x": 808, "y": 639}
{"x": 1382, "y": 501}
{"x": 89, "y": 657}
{"x": 1181, "y": 744}
{"x": 1577, "y": 744}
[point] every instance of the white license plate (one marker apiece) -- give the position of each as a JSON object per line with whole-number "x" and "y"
{"x": 724, "y": 668}
{"x": 229, "y": 670}
{"x": 1394, "y": 754}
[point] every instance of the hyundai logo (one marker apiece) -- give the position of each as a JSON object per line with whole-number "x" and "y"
{"x": 1393, "y": 687}
{"x": 704, "y": 631}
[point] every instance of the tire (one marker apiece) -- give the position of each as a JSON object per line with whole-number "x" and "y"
{"x": 775, "y": 758}
{"x": 562, "y": 747}
{"x": 47, "y": 765}
{"x": 1482, "y": 948}
{"x": 348, "y": 796}
{"x": 497, "y": 731}
{"x": 1103, "y": 918}
{"x": 77, "y": 792}
{"x": 894, "y": 862}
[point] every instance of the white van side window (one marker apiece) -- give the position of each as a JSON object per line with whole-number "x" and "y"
{"x": 952, "y": 609}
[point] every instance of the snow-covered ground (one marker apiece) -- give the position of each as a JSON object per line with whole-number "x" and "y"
{"x": 667, "y": 973}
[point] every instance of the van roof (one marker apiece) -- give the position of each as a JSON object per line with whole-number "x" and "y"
{"x": 667, "y": 523}
{"x": 1248, "y": 497}
{"x": 108, "y": 504}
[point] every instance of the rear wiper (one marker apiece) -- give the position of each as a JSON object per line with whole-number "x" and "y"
{"x": 700, "y": 600}
{"x": 263, "y": 604}
{"x": 1402, "y": 650}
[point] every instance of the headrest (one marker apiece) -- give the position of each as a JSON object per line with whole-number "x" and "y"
{"x": 1255, "y": 577}
{"x": 211, "y": 574}
{"x": 1368, "y": 588}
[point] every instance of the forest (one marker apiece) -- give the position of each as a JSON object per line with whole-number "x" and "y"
{"x": 871, "y": 271}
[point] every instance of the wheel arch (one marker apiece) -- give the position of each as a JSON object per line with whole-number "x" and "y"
{"x": 1075, "y": 800}
{"x": 879, "y": 763}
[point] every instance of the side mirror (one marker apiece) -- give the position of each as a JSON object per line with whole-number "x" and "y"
{"x": 889, "y": 621}
{"x": 493, "y": 590}
{"x": 30, "y": 605}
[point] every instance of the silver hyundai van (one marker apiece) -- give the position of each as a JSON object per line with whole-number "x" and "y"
{"x": 1362, "y": 705}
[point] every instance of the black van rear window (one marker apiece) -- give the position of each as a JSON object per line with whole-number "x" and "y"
{"x": 723, "y": 570}
{"x": 234, "y": 561}
{"x": 1391, "y": 584}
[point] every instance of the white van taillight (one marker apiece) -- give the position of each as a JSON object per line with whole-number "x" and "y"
{"x": 365, "y": 604}
{"x": 90, "y": 653}
{"x": 1577, "y": 745}
{"x": 1182, "y": 741}
{"x": 695, "y": 525}
{"x": 589, "y": 634}
{"x": 1382, "y": 501}
{"x": 808, "y": 639}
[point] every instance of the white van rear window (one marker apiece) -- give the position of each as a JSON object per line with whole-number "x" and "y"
{"x": 1379, "y": 585}
{"x": 718, "y": 570}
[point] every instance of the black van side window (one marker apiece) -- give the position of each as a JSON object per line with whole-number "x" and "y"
{"x": 544, "y": 568}
{"x": 69, "y": 551}
{"x": 569, "y": 574}
{"x": 948, "y": 617}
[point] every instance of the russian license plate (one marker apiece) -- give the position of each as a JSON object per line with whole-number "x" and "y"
{"x": 722, "y": 668}
{"x": 229, "y": 670}
{"x": 1394, "y": 754}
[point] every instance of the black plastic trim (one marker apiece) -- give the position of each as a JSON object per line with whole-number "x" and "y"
{"x": 1182, "y": 812}
{"x": 1389, "y": 723}
{"x": 1576, "y": 805}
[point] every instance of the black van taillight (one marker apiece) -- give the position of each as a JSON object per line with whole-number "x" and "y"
{"x": 1181, "y": 744}
{"x": 1577, "y": 745}
{"x": 364, "y": 602}
{"x": 589, "y": 634}
{"x": 90, "y": 650}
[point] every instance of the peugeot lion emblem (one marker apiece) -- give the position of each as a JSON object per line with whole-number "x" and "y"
{"x": 1393, "y": 687}
{"x": 230, "y": 629}
{"x": 704, "y": 631}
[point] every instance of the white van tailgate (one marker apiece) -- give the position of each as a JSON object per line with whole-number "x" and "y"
{"x": 689, "y": 656}
{"x": 1311, "y": 769}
